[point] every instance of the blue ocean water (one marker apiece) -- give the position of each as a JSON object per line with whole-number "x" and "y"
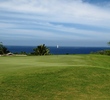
{"x": 60, "y": 50}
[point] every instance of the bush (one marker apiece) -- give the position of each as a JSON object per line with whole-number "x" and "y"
{"x": 102, "y": 52}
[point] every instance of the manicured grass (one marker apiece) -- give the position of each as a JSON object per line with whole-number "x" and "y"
{"x": 63, "y": 77}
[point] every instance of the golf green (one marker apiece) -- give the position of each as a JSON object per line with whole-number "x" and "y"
{"x": 55, "y": 77}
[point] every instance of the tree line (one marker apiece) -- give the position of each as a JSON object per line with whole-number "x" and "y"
{"x": 39, "y": 50}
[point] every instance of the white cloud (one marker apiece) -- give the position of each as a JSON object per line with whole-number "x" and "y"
{"x": 40, "y": 13}
{"x": 6, "y": 25}
{"x": 59, "y": 10}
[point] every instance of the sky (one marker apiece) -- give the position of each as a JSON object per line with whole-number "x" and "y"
{"x": 55, "y": 22}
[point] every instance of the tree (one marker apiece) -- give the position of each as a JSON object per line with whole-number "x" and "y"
{"x": 109, "y": 43}
{"x": 3, "y": 49}
{"x": 41, "y": 50}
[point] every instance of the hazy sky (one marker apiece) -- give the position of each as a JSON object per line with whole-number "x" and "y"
{"x": 55, "y": 22}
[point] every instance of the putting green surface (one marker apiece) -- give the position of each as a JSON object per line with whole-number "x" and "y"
{"x": 62, "y": 77}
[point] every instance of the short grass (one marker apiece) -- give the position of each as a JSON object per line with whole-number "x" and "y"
{"x": 63, "y": 77}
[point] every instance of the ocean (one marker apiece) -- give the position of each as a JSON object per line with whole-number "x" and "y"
{"x": 60, "y": 50}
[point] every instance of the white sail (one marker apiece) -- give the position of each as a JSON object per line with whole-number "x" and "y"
{"x": 57, "y": 46}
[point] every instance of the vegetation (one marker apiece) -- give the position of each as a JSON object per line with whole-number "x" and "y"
{"x": 102, "y": 52}
{"x": 3, "y": 49}
{"x": 109, "y": 43}
{"x": 63, "y": 77}
{"x": 41, "y": 50}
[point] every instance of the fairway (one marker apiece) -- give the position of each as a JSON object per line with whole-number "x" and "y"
{"x": 55, "y": 77}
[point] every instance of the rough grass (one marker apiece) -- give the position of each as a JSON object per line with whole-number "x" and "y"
{"x": 63, "y": 77}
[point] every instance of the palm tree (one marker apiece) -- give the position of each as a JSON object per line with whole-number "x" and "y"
{"x": 41, "y": 50}
{"x": 3, "y": 49}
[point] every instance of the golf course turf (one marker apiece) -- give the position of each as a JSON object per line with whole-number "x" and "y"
{"x": 55, "y": 77}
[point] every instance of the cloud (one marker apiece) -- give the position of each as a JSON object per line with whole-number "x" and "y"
{"x": 33, "y": 19}
{"x": 6, "y": 25}
{"x": 59, "y": 10}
